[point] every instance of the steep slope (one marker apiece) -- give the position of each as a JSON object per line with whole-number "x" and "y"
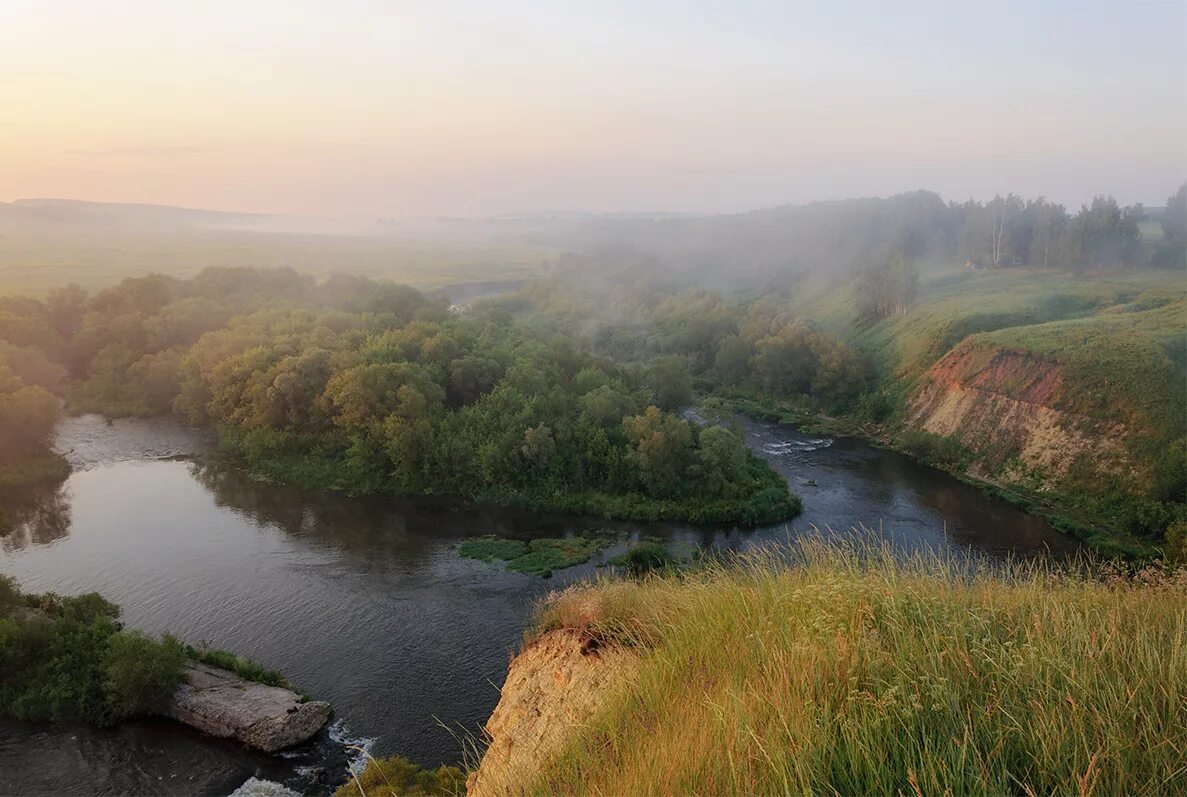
{"x": 554, "y": 686}
{"x": 1000, "y": 404}
{"x": 1090, "y": 404}
{"x": 851, "y": 672}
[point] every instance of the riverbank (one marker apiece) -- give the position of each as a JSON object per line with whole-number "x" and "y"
{"x": 1061, "y": 512}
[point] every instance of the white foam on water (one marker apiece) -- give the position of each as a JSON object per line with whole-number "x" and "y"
{"x": 796, "y": 446}
{"x": 360, "y": 746}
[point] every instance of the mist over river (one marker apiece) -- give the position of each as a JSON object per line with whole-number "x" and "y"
{"x": 364, "y": 602}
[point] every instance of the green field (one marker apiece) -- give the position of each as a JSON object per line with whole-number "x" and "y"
{"x": 35, "y": 259}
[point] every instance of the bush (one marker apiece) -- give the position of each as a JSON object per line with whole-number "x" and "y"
{"x": 141, "y": 672}
{"x": 68, "y": 659}
{"x": 644, "y": 557}
{"x": 934, "y": 449}
{"x": 399, "y": 777}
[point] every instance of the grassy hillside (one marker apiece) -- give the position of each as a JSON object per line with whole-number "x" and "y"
{"x": 953, "y": 304}
{"x": 853, "y": 673}
{"x": 1097, "y": 365}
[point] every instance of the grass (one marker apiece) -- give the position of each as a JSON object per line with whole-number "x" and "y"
{"x": 853, "y": 672}
{"x": 539, "y": 557}
{"x": 242, "y": 666}
{"x": 1129, "y": 362}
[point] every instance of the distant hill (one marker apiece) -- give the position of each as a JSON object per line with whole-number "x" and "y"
{"x": 119, "y": 213}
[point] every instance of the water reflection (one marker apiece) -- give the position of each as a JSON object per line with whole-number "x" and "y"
{"x": 38, "y": 517}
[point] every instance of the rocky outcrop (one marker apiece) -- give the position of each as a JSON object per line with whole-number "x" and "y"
{"x": 553, "y": 687}
{"x": 220, "y": 703}
{"x": 1008, "y": 409}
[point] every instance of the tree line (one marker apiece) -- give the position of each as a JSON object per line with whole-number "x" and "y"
{"x": 771, "y": 248}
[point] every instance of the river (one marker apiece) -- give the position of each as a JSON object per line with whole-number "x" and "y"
{"x": 364, "y": 602}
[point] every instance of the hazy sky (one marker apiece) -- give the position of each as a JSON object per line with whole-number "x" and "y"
{"x": 379, "y": 107}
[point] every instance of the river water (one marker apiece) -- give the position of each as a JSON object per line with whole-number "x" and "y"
{"x": 364, "y": 602}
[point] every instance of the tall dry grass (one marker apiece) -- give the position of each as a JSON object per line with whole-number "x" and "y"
{"x": 852, "y": 671}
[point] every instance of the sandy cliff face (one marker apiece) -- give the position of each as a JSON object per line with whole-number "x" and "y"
{"x": 554, "y": 686}
{"x": 1005, "y": 407}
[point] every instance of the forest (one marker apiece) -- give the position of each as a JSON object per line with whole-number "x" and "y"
{"x": 372, "y": 387}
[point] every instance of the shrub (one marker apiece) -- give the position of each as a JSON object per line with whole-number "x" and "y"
{"x": 933, "y": 449}
{"x": 399, "y": 777}
{"x": 70, "y": 660}
{"x": 644, "y": 557}
{"x": 140, "y": 673}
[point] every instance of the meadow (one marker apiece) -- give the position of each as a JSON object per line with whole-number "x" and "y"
{"x": 856, "y": 672}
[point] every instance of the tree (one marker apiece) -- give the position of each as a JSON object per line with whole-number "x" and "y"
{"x": 671, "y": 383}
{"x": 733, "y": 359}
{"x": 721, "y": 463}
{"x": 884, "y": 290}
{"x": 661, "y": 449}
{"x": 366, "y": 394}
{"x": 470, "y": 377}
{"x": 784, "y": 362}
{"x": 606, "y": 406}
{"x": 1049, "y": 225}
{"x": 1101, "y": 235}
{"x": 538, "y": 446}
{"x": 1174, "y": 220}
{"x": 27, "y": 417}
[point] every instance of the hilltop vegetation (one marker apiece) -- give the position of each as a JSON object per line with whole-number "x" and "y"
{"x": 852, "y": 671}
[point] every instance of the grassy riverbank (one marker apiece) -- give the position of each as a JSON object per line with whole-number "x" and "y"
{"x": 856, "y": 673}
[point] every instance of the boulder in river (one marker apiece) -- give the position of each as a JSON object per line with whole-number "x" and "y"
{"x": 220, "y": 703}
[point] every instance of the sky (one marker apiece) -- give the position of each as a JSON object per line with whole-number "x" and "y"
{"x": 384, "y": 108}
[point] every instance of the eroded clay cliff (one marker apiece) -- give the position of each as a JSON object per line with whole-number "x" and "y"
{"x": 554, "y": 686}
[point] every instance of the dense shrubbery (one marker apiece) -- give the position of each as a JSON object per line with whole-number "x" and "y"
{"x": 399, "y": 777}
{"x": 933, "y": 449}
{"x": 67, "y": 658}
